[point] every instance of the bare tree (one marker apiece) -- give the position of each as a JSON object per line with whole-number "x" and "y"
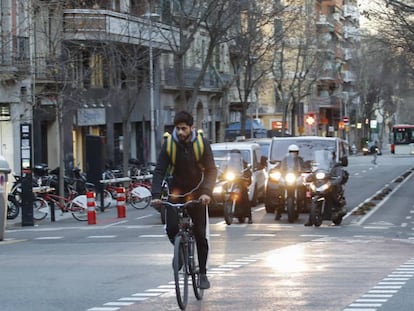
{"x": 206, "y": 21}
{"x": 296, "y": 62}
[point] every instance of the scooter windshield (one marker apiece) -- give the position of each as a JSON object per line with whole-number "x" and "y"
{"x": 234, "y": 162}
{"x": 291, "y": 163}
{"x": 322, "y": 160}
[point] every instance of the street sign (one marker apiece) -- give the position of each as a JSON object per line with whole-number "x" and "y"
{"x": 346, "y": 120}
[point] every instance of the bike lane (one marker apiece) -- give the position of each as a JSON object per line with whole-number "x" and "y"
{"x": 329, "y": 273}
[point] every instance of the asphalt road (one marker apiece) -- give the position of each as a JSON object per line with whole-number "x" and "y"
{"x": 365, "y": 264}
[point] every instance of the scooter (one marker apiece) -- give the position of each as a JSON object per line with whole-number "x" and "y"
{"x": 234, "y": 189}
{"x": 290, "y": 184}
{"x": 327, "y": 202}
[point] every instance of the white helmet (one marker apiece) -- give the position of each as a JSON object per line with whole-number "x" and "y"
{"x": 293, "y": 148}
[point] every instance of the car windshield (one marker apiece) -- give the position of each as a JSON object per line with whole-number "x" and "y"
{"x": 307, "y": 147}
{"x": 220, "y": 155}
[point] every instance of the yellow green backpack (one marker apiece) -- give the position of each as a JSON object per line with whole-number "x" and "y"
{"x": 198, "y": 146}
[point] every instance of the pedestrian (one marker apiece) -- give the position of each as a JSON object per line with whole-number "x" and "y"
{"x": 192, "y": 174}
{"x": 374, "y": 150}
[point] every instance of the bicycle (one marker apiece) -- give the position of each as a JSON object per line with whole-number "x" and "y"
{"x": 185, "y": 261}
{"x": 74, "y": 203}
{"x": 137, "y": 192}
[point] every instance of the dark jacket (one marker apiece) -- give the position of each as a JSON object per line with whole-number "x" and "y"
{"x": 187, "y": 172}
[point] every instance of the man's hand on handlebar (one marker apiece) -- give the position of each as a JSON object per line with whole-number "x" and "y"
{"x": 205, "y": 199}
{"x": 156, "y": 202}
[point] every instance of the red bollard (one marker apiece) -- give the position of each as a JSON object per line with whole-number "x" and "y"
{"x": 91, "y": 204}
{"x": 120, "y": 202}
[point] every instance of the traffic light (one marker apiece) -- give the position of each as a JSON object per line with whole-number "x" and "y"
{"x": 310, "y": 119}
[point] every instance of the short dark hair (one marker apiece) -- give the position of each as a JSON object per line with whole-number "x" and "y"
{"x": 183, "y": 117}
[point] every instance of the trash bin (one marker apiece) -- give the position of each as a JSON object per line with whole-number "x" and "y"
{"x": 4, "y": 171}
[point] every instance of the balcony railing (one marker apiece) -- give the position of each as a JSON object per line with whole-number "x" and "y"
{"x": 98, "y": 25}
{"x": 211, "y": 79}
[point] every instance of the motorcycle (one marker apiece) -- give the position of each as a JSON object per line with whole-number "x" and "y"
{"x": 291, "y": 187}
{"x": 328, "y": 200}
{"x": 233, "y": 183}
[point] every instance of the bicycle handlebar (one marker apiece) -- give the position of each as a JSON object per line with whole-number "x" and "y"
{"x": 180, "y": 205}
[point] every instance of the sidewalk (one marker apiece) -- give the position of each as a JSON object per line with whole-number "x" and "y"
{"x": 110, "y": 215}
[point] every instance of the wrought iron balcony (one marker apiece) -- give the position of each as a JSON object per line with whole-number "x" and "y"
{"x": 105, "y": 25}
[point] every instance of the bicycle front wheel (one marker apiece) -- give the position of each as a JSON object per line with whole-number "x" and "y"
{"x": 194, "y": 269}
{"x": 79, "y": 212}
{"x": 180, "y": 266}
{"x": 40, "y": 209}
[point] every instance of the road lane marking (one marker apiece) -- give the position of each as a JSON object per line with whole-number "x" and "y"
{"x": 385, "y": 289}
{"x": 101, "y": 236}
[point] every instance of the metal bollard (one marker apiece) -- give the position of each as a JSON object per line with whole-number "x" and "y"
{"x": 91, "y": 205}
{"x": 120, "y": 202}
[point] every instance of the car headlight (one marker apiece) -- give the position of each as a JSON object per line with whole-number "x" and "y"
{"x": 275, "y": 175}
{"x": 290, "y": 178}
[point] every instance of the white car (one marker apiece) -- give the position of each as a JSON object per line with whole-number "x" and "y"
{"x": 252, "y": 155}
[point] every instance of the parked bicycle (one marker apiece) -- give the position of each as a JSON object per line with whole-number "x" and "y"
{"x": 185, "y": 261}
{"x": 137, "y": 192}
{"x": 73, "y": 203}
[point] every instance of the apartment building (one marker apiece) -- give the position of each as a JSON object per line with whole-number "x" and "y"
{"x": 314, "y": 77}
{"x": 108, "y": 69}
{"x": 15, "y": 78}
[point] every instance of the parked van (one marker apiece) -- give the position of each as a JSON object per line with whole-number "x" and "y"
{"x": 251, "y": 153}
{"x": 307, "y": 145}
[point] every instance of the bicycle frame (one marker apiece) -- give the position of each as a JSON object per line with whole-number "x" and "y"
{"x": 73, "y": 203}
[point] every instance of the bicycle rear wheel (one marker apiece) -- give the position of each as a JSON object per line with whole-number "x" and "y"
{"x": 180, "y": 266}
{"x": 140, "y": 197}
{"x": 40, "y": 209}
{"x": 194, "y": 269}
{"x": 79, "y": 212}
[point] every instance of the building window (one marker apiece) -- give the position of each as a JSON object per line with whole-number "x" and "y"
{"x": 5, "y": 112}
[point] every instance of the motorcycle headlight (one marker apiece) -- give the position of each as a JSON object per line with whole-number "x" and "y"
{"x": 230, "y": 176}
{"x": 218, "y": 189}
{"x": 275, "y": 175}
{"x": 320, "y": 175}
{"x": 290, "y": 178}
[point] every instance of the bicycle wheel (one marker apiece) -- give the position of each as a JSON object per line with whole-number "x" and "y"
{"x": 13, "y": 207}
{"x": 140, "y": 197}
{"x": 78, "y": 210}
{"x": 107, "y": 199}
{"x": 40, "y": 209}
{"x": 180, "y": 266}
{"x": 194, "y": 269}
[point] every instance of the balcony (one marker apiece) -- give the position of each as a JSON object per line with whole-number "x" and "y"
{"x": 210, "y": 81}
{"x": 88, "y": 25}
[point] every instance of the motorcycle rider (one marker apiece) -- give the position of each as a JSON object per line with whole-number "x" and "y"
{"x": 235, "y": 155}
{"x": 293, "y": 151}
{"x": 340, "y": 177}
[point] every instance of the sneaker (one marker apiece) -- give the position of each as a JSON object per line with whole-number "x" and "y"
{"x": 204, "y": 282}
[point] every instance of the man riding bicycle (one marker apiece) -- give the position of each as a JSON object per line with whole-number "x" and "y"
{"x": 191, "y": 178}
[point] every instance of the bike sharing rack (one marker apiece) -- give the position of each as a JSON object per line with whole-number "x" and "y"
{"x": 4, "y": 171}
{"x": 122, "y": 180}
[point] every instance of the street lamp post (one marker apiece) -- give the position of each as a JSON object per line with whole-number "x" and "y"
{"x": 153, "y": 156}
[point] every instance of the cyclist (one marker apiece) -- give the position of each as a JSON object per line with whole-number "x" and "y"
{"x": 190, "y": 179}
